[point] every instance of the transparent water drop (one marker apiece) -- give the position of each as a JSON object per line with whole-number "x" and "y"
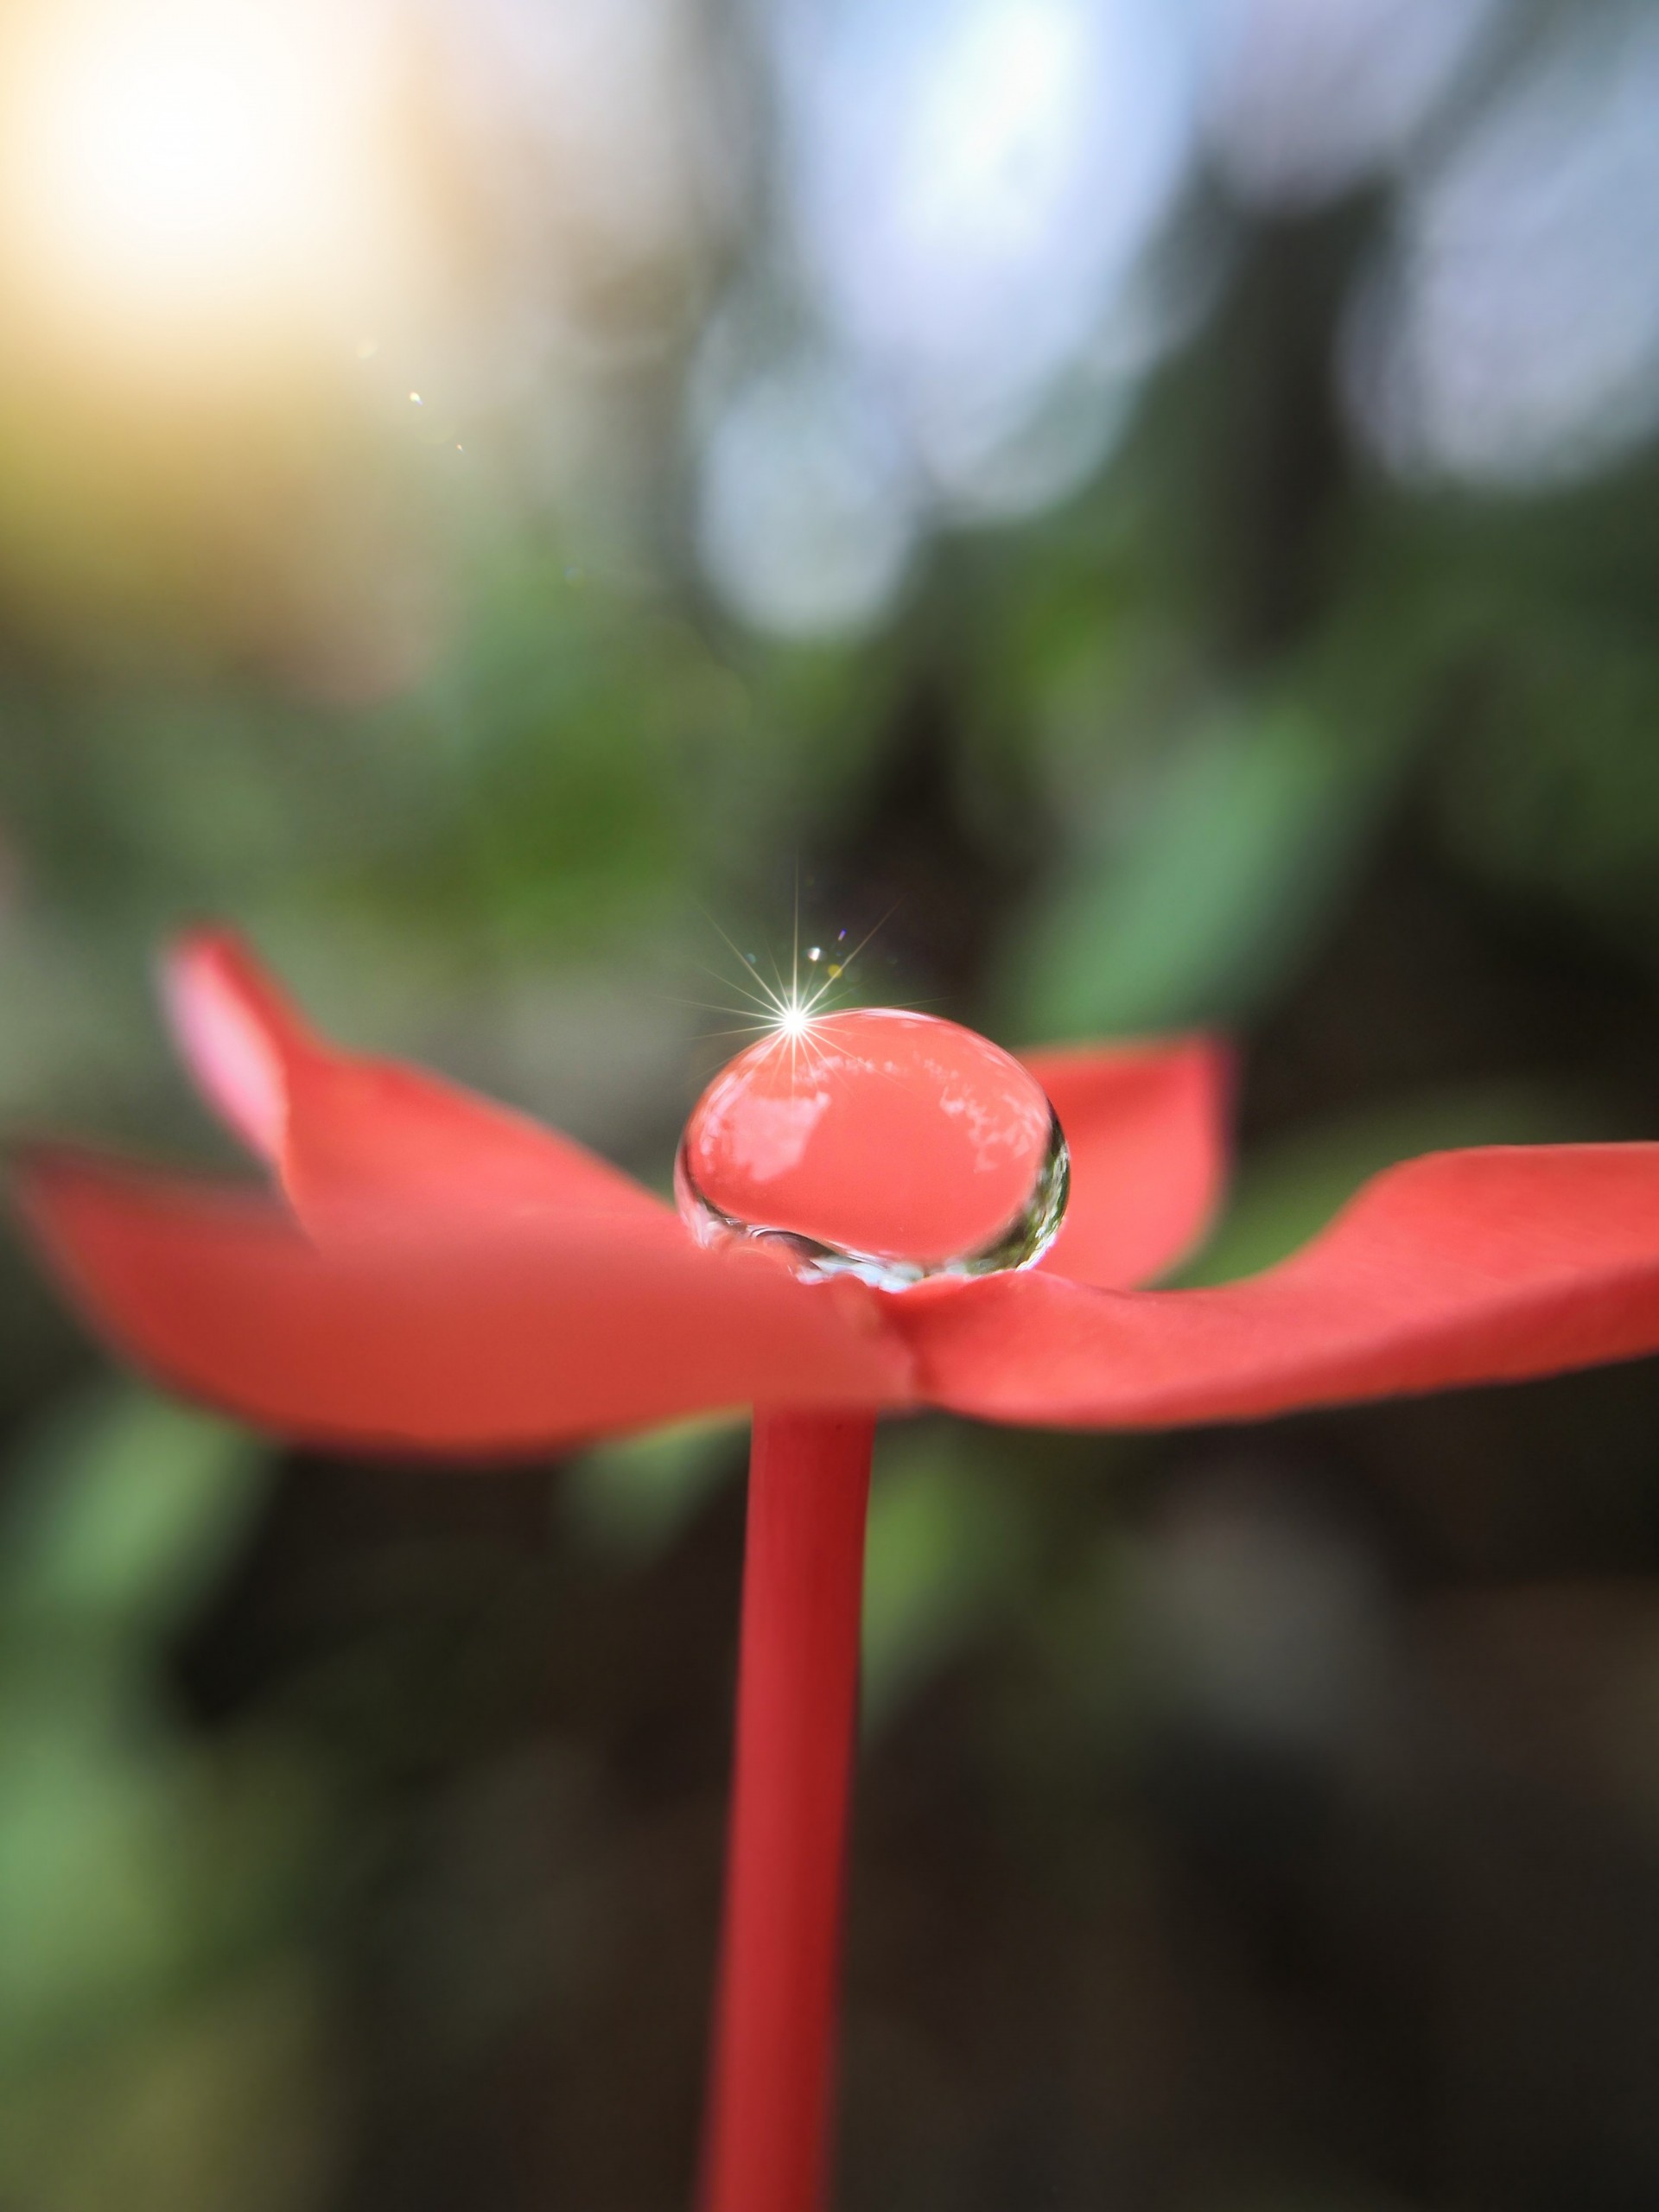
{"x": 877, "y": 1143}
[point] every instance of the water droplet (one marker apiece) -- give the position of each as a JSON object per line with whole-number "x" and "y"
{"x": 878, "y": 1143}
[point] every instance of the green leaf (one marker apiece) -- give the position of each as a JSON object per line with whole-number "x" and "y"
{"x": 125, "y": 1512}
{"x": 95, "y": 1843}
{"x": 1237, "y": 856}
{"x": 949, "y": 1545}
{"x": 631, "y": 1499}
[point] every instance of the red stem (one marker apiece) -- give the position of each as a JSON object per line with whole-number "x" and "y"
{"x": 770, "y": 2091}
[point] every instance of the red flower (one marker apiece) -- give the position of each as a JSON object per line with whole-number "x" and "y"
{"x": 437, "y": 1274}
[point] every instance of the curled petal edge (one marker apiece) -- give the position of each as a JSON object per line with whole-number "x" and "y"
{"x": 347, "y": 1134}
{"x": 1492, "y": 1265}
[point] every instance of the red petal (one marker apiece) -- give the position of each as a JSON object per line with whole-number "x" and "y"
{"x": 495, "y": 1341}
{"x": 1146, "y": 1126}
{"x": 349, "y": 1134}
{"x": 238, "y": 1035}
{"x": 1465, "y": 1266}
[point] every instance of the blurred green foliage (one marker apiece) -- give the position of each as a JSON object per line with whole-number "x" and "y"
{"x": 632, "y": 1498}
{"x": 952, "y": 1548}
{"x": 122, "y": 1513}
{"x": 1223, "y": 874}
{"x": 149, "y": 1884}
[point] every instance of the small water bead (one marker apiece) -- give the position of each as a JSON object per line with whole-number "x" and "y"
{"x": 879, "y": 1143}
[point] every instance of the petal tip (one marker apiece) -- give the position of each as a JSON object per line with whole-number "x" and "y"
{"x": 234, "y": 1030}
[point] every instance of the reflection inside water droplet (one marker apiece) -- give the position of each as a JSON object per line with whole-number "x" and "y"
{"x": 878, "y": 1143}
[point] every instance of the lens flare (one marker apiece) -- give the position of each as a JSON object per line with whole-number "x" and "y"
{"x": 190, "y": 169}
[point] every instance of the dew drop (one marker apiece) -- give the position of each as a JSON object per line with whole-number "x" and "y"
{"x": 879, "y": 1143}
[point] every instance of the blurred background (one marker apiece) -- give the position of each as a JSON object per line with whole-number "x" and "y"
{"x": 1156, "y": 504}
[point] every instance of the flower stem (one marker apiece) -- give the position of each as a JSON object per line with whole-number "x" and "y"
{"x": 770, "y": 2088}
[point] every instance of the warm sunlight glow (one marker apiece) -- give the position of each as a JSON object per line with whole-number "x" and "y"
{"x": 198, "y": 169}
